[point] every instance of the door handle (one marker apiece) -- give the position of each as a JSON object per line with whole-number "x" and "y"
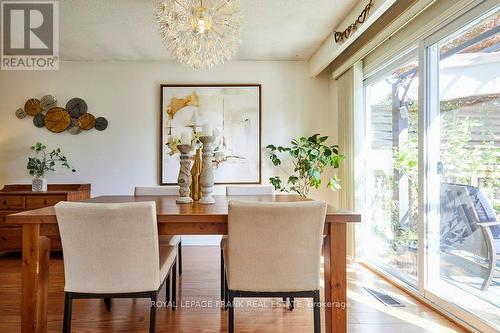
{"x": 440, "y": 168}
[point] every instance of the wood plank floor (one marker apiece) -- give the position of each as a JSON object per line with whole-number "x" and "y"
{"x": 198, "y": 309}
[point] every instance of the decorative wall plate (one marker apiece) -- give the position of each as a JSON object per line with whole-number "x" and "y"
{"x": 76, "y": 107}
{"x": 101, "y": 123}
{"x": 32, "y": 107}
{"x": 75, "y": 129}
{"x": 48, "y": 102}
{"x": 39, "y": 120}
{"x": 74, "y": 118}
{"x": 57, "y": 120}
{"x": 20, "y": 113}
{"x": 86, "y": 121}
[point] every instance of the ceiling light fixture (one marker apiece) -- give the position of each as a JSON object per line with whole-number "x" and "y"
{"x": 199, "y": 33}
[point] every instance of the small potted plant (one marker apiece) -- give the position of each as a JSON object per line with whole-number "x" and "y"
{"x": 310, "y": 157}
{"x": 43, "y": 162}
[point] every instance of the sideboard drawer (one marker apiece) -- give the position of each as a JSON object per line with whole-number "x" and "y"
{"x": 4, "y": 213}
{"x": 12, "y": 202}
{"x": 39, "y": 201}
{"x": 19, "y": 197}
{"x": 11, "y": 238}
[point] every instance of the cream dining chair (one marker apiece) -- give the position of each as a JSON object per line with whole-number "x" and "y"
{"x": 174, "y": 240}
{"x": 239, "y": 190}
{"x": 112, "y": 251}
{"x": 259, "y": 238}
{"x": 249, "y": 190}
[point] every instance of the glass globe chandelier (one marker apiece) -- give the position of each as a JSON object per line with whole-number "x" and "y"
{"x": 199, "y": 33}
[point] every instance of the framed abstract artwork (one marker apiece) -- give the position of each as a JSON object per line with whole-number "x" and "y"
{"x": 233, "y": 111}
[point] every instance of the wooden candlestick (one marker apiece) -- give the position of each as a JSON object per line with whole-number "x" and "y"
{"x": 207, "y": 171}
{"x": 184, "y": 179}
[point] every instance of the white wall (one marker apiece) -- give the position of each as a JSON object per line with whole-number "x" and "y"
{"x": 128, "y": 95}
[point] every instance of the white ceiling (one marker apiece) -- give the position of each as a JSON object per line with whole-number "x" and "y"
{"x": 102, "y": 30}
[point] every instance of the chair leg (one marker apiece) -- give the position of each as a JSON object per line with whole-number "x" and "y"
{"x": 174, "y": 286}
{"x": 317, "y": 312}
{"x": 222, "y": 275}
{"x": 487, "y": 281}
{"x": 226, "y": 292}
{"x": 492, "y": 261}
{"x": 107, "y": 303}
{"x": 230, "y": 306}
{"x": 152, "y": 314}
{"x": 292, "y": 303}
{"x": 167, "y": 288}
{"x": 179, "y": 257}
{"x": 68, "y": 300}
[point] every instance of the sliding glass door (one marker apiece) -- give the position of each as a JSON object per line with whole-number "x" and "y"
{"x": 463, "y": 224}
{"x": 391, "y": 234}
{"x": 431, "y": 166}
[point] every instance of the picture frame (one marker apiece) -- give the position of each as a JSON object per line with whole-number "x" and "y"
{"x": 234, "y": 111}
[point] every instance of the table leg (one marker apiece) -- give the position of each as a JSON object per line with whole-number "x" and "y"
{"x": 35, "y": 276}
{"x": 335, "y": 274}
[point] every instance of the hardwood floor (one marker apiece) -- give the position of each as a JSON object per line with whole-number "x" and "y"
{"x": 198, "y": 309}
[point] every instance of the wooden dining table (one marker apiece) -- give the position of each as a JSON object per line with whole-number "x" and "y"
{"x": 176, "y": 219}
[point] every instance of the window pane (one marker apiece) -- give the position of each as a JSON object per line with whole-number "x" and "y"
{"x": 392, "y": 177}
{"x": 463, "y": 262}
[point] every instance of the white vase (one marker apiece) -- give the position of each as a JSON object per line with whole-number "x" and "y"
{"x": 39, "y": 184}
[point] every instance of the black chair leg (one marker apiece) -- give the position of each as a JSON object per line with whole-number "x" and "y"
{"x": 167, "y": 288}
{"x": 222, "y": 275}
{"x": 179, "y": 257}
{"x": 226, "y": 292}
{"x": 284, "y": 299}
{"x": 68, "y": 300}
{"x": 107, "y": 303}
{"x": 292, "y": 303}
{"x": 174, "y": 286}
{"x": 230, "y": 306}
{"x": 152, "y": 315}
{"x": 317, "y": 312}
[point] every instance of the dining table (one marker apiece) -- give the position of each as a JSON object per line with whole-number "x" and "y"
{"x": 40, "y": 225}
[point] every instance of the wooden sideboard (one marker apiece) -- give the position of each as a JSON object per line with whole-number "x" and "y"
{"x": 18, "y": 198}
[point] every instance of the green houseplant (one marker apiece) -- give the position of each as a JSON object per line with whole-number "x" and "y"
{"x": 310, "y": 157}
{"x": 44, "y": 162}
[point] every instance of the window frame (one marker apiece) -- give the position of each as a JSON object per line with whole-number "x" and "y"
{"x": 427, "y": 133}
{"x": 410, "y": 54}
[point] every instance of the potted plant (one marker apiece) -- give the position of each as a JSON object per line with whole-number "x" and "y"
{"x": 310, "y": 157}
{"x": 43, "y": 162}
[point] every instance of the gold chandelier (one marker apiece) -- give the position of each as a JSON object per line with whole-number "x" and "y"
{"x": 199, "y": 33}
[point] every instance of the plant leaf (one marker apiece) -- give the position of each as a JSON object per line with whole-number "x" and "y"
{"x": 292, "y": 180}
{"x": 334, "y": 183}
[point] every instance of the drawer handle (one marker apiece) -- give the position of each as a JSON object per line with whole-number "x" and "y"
{"x": 45, "y": 202}
{"x": 5, "y": 202}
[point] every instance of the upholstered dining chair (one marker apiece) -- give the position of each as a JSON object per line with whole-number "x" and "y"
{"x": 112, "y": 251}
{"x": 259, "y": 235}
{"x": 174, "y": 240}
{"x": 249, "y": 190}
{"x": 239, "y": 190}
